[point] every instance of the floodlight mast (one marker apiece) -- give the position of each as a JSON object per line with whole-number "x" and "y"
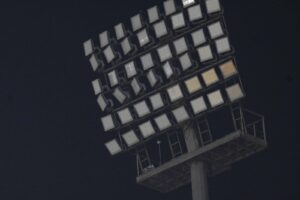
{"x": 161, "y": 80}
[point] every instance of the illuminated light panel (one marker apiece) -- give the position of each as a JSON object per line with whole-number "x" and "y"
{"x": 195, "y": 13}
{"x": 205, "y": 53}
{"x": 187, "y": 3}
{"x": 169, "y": 7}
{"x": 102, "y": 102}
{"x": 180, "y": 45}
{"x": 113, "y": 79}
{"x": 130, "y": 69}
{"x": 222, "y": 45}
{"x": 119, "y": 95}
{"x": 193, "y": 85}
{"x": 185, "y": 61}
{"x": 88, "y": 47}
{"x": 141, "y": 109}
{"x": 146, "y": 129}
{"x": 164, "y": 53}
{"x": 212, "y": 6}
{"x": 198, "y": 105}
{"x": 152, "y": 78}
{"x": 160, "y": 29}
{"x": 168, "y": 70}
{"x": 180, "y": 114}
{"x": 97, "y": 86}
{"x": 143, "y": 37}
{"x": 215, "y": 30}
{"x": 177, "y": 21}
{"x": 95, "y": 62}
{"x": 104, "y": 39}
{"x": 108, "y": 122}
{"x": 119, "y": 30}
{"x": 156, "y": 101}
{"x": 198, "y": 37}
{"x": 153, "y": 14}
{"x": 234, "y": 92}
{"x": 130, "y": 138}
{"x": 136, "y": 22}
{"x": 126, "y": 46}
{"x": 215, "y": 98}
{"x": 113, "y": 147}
{"x": 147, "y": 61}
{"x": 228, "y": 69}
{"x": 125, "y": 116}
{"x": 109, "y": 54}
{"x": 162, "y": 122}
{"x": 210, "y": 77}
{"x": 175, "y": 93}
{"x": 136, "y": 86}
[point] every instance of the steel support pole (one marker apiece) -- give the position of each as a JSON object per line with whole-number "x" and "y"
{"x": 198, "y": 168}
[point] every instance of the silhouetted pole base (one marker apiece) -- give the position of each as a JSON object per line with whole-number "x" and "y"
{"x": 198, "y": 168}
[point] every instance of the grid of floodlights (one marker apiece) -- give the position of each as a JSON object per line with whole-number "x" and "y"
{"x": 162, "y": 69}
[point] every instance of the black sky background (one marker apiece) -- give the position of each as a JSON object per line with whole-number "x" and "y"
{"x": 51, "y": 144}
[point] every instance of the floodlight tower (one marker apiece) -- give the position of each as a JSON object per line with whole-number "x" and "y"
{"x": 161, "y": 80}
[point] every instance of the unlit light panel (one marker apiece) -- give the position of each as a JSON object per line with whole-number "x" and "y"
{"x": 169, "y": 7}
{"x": 175, "y": 93}
{"x": 210, "y": 77}
{"x": 104, "y": 39}
{"x": 119, "y": 95}
{"x": 113, "y": 79}
{"x": 102, "y": 102}
{"x": 130, "y": 138}
{"x": 147, "y": 61}
{"x": 119, "y": 30}
{"x": 136, "y": 22}
{"x": 156, "y": 101}
{"x": 195, "y": 13}
{"x": 215, "y": 30}
{"x": 198, "y": 105}
{"x": 95, "y": 63}
{"x": 198, "y": 37}
{"x": 109, "y": 54}
{"x": 113, "y": 147}
{"x": 215, "y": 98}
{"x": 136, "y": 86}
{"x": 168, "y": 70}
{"x": 141, "y": 109}
{"x": 164, "y": 53}
{"x": 178, "y": 21}
{"x": 88, "y": 47}
{"x": 125, "y": 116}
{"x": 160, "y": 29}
{"x": 107, "y": 123}
{"x": 234, "y": 92}
{"x": 222, "y": 45}
{"x": 153, "y": 14}
{"x": 205, "y": 53}
{"x": 130, "y": 69}
{"x": 126, "y": 46}
{"x": 162, "y": 122}
{"x": 180, "y": 114}
{"x": 147, "y": 129}
{"x": 97, "y": 86}
{"x": 180, "y": 45}
{"x": 152, "y": 78}
{"x": 185, "y": 61}
{"x": 212, "y": 6}
{"x": 143, "y": 37}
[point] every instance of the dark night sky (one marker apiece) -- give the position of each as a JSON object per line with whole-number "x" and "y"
{"x": 50, "y": 139}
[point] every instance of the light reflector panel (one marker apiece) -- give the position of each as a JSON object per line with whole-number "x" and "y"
{"x": 119, "y": 95}
{"x": 130, "y": 138}
{"x": 153, "y": 14}
{"x": 136, "y": 86}
{"x": 97, "y": 86}
{"x": 162, "y": 122}
{"x": 130, "y": 69}
{"x": 180, "y": 114}
{"x": 109, "y": 54}
{"x": 215, "y": 98}
{"x": 175, "y": 93}
{"x": 195, "y": 13}
{"x": 198, "y": 105}
{"x": 210, "y": 77}
{"x": 95, "y": 63}
{"x": 126, "y": 46}
{"x": 120, "y": 31}
{"x": 108, "y": 122}
{"x": 198, "y": 37}
{"x": 169, "y": 7}
{"x": 180, "y": 45}
{"x": 164, "y": 53}
{"x": 136, "y": 22}
{"x": 156, "y": 101}
{"x": 185, "y": 61}
{"x": 222, "y": 45}
{"x": 113, "y": 79}
{"x": 234, "y": 92}
{"x": 215, "y": 30}
{"x": 146, "y": 129}
{"x": 152, "y": 78}
{"x": 193, "y": 85}
{"x": 177, "y": 21}
{"x": 102, "y": 102}
{"x": 228, "y": 69}
{"x": 88, "y": 47}
{"x": 141, "y": 109}
{"x": 113, "y": 147}
{"x": 160, "y": 29}
{"x": 205, "y": 53}
{"x": 168, "y": 70}
{"x": 212, "y": 6}
{"x": 125, "y": 116}
{"x": 104, "y": 39}
{"x": 147, "y": 61}
{"x": 143, "y": 37}
{"x": 187, "y": 3}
